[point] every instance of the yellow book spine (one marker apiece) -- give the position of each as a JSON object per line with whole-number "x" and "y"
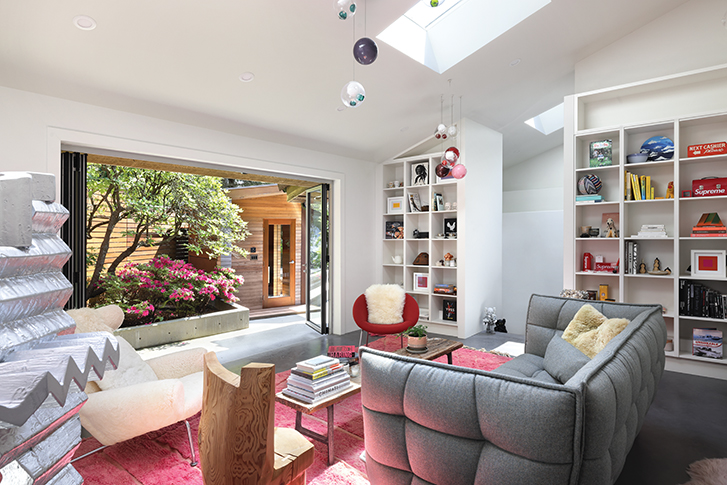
{"x": 635, "y": 186}
{"x": 643, "y": 187}
{"x": 652, "y": 193}
{"x": 648, "y": 187}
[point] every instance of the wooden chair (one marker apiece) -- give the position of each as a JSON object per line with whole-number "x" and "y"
{"x": 238, "y": 442}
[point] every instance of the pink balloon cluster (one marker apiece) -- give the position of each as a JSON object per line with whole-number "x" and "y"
{"x": 449, "y": 164}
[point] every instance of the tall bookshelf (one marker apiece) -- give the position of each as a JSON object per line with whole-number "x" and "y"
{"x": 436, "y": 245}
{"x": 674, "y": 107}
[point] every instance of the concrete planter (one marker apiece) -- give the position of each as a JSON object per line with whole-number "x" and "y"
{"x": 230, "y": 317}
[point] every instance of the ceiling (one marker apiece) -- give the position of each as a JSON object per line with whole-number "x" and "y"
{"x": 181, "y": 60}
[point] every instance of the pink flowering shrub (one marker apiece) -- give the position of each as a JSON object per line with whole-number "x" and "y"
{"x": 163, "y": 289}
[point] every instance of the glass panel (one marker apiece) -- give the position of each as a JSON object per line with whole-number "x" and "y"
{"x": 315, "y": 253}
{"x": 279, "y": 258}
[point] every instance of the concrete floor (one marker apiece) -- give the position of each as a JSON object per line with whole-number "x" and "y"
{"x": 685, "y": 423}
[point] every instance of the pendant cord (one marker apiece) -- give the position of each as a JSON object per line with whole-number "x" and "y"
{"x": 353, "y": 64}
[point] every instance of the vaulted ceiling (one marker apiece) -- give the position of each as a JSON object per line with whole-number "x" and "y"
{"x": 181, "y": 60}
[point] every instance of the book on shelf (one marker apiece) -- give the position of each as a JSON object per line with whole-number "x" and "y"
{"x": 709, "y": 225}
{"x": 707, "y": 342}
{"x": 317, "y": 364}
{"x": 339, "y": 351}
{"x": 600, "y": 153}
{"x": 698, "y": 300}
{"x": 632, "y": 257}
{"x": 588, "y": 197}
{"x": 445, "y": 289}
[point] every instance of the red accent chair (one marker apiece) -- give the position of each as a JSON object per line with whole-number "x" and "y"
{"x": 361, "y": 316}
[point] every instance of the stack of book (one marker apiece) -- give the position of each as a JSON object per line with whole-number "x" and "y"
{"x": 632, "y": 257}
{"x": 639, "y": 187}
{"x": 697, "y": 300}
{"x": 651, "y": 230}
{"x": 709, "y": 225}
{"x": 315, "y": 379}
{"x": 589, "y": 198}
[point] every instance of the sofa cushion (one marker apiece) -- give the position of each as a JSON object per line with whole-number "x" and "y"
{"x": 131, "y": 369}
{"x": 562, "y": 360}
{"x": 590, "y": 330}
{"x": 385, "y": 304}
{"x": 527, "y": 366}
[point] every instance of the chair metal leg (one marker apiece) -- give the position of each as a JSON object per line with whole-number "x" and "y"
{"x": 191, "y": 444}
{"x": 90, "y": 453}
{"x": 360, "y": 338}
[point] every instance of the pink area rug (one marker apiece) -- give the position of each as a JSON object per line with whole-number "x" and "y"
{"x": 162, "y": 457}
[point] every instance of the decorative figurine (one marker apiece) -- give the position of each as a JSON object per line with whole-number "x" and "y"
{"x": 642, "y": 267}
{"x": 670, "y": 190}
{"x": 489, "y": 320}
{"x": 657, "y": 268}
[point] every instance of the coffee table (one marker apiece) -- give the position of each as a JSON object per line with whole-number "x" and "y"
{"x": 436, "y": 347}
{"x": 300, "y": 407}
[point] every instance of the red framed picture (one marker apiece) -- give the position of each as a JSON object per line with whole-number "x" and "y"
{"x": 708, "y": 263}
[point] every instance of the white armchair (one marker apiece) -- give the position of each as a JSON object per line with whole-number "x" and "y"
{"x": 139, "y": 396}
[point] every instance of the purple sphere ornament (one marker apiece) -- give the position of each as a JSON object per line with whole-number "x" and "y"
{"x": 353, "y": 94}
{"x": 365, "y": 51}
{"x": 459, "y": 171}
{"x": 441, "y": 170}
{"x": 344, "y": 8}
{"x": 451, "y": 155}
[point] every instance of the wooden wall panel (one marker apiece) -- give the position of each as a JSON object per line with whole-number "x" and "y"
{"x": 254, "y": 212}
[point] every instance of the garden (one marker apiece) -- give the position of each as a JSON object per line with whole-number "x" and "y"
{"x": 137, "y": 219}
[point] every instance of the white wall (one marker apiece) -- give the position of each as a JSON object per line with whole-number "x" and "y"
{"x": 689, "y": 37}
{"x": 532, "y": 234}
{"x": 33, "y": 128}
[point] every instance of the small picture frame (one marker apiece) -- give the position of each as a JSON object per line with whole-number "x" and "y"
{"x": 421, "y": 282}
{"x": 395, "y": 205}
{"x": 450, "y": 227}
{"x": 449, "y": 310}
{"x": 420, "y": 174}
{"x": 708, "y": 263}
{"x": 686, "y": 193}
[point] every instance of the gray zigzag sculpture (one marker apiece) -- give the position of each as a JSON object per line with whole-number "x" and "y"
{"x": 40, "y": 357}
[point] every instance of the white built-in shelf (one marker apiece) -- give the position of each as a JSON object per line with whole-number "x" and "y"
{"x": 710, "y": 239}
{"x": 709, "y": 158}
{"x": 647, "y": 275}
{"x": 596, "y": 273}
{"x": 595, "y": 204}
{"x": 707, "y": 280}
{"x": 648, "y": 201}
{"x": 694, "y": 199}
{"x": 702, "y": 319}
{"x": 688, "y": 356}
{"x": 667, "y": 238}
{"x": 444, "y": 295}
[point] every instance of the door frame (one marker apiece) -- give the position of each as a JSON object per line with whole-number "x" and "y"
{"x": 324, "y": 326}
{"x": 279, "y": 301}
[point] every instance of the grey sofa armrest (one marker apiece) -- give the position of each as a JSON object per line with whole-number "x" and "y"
{"x": 437, "y": 421}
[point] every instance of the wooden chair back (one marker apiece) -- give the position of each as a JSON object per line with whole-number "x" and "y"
{"x": 236, "y": 428}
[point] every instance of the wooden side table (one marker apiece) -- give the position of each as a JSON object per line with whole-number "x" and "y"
{"x": 301, "y": 407}
{"x": 436, "y": 347}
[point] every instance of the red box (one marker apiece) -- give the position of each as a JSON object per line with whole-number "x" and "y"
{"x": 606, "y": 267}
{"x": 707, "y": 149}
{"x": 709, "y": 187}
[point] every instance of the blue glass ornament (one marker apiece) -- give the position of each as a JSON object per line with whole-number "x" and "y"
{"x": 365, "y": 51}
{"x": 353, "y": 94}
{"x": 344, "y": 8}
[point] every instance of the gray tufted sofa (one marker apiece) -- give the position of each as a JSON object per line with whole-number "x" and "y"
{"x": 549, "y": 416}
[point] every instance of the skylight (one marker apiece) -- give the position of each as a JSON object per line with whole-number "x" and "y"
{"x": 440, "y": 37}
{"x": 548, "y": 121}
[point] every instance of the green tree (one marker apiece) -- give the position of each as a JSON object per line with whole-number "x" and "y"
{"x": 159, "y": 203}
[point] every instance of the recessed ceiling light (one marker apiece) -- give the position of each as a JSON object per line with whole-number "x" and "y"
{"x": 84, "y": 22}
{"x": 246, "y": 77}
{"x": 515, "y": 62}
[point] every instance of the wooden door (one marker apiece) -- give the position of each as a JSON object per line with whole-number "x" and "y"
{"x": 278, "y": 262}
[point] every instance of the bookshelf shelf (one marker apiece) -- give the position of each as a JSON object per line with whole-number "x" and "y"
{"x": 617, "y": 115}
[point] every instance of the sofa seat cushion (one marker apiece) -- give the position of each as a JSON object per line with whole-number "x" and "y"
{"x": 527, "y": 366}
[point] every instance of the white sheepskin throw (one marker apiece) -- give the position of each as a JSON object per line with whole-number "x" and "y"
{"x": 590, "y": 331}
{"x": 385, "y": 304}
{"x": 708, "y": 472}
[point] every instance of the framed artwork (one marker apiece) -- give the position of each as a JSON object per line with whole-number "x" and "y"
{"x": 421, "y": 281}
{"x": 609, "y": 224}
{"x": 450, "y": 226}
{"x": 394, "y": 230}
{"x": 449, "y": 310}
{"x": 420, "y": 174}
{"x": 708, "y": 263}
{"x": 415, "y": 203}
{"x": 395, "y": 205}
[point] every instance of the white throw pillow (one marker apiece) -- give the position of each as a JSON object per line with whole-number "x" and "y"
{"x": 131, "y": 369}
{"x": 385, "y": 304}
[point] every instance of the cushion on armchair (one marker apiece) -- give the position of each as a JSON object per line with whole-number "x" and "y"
{"x": 385, "y": 304}
{"x": 131, "y": 369}
{"x": 562, "y": 360}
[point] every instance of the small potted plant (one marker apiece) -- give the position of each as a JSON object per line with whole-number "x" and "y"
{"x": 416, "y": 337}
